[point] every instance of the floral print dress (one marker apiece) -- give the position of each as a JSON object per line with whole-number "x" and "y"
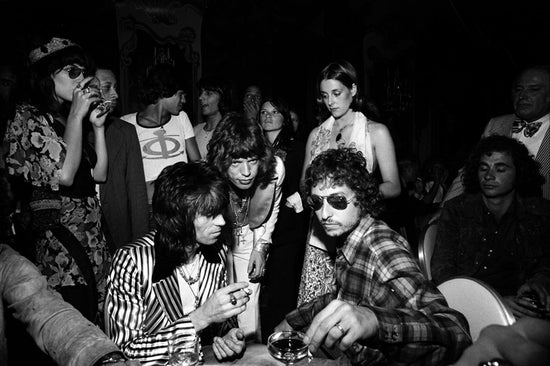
{"x": 36, "y": 153}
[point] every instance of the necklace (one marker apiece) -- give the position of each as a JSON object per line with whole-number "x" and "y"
{"x": 189, "y": 277}
{"x": 190, "y": 282}
{"x": 145, "y": 118}
{"x": 339, "y": 140}
{"x": 239, "y": 224}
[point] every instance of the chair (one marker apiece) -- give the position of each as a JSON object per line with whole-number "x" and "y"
{"x": 426, "y": 245}
{"x": 479, "y": 302}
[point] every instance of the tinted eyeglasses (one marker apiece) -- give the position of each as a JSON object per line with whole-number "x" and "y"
{"x": 73, "y": 71}
{"x": 336, "y": 201}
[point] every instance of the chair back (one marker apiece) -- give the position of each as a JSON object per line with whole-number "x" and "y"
{"x": 426, "y": 245}
{"x": 479, "y": 302}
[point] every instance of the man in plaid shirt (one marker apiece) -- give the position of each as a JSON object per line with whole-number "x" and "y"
{"x": 384, "y": 311}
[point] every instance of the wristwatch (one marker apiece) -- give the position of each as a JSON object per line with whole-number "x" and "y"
{"x": 109, "y": 358}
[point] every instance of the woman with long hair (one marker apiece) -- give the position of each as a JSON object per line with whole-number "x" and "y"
{"x": 345, "y": 126}
{"x": 48, "y": 151}
{"x": 284, "y": 267}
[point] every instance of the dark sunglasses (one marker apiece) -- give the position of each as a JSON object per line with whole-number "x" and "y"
{"x": 338, "y": 202}
{"x": 74, "y": 71}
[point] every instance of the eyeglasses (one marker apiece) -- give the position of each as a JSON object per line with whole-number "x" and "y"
{"x": 73, "y": 71}
{"x": 338, "y": 202}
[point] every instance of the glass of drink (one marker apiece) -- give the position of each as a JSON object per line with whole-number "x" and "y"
{"x": 287, "y": 346}
{"x": 183, "y": 352}
{"x": 102, "y": 104}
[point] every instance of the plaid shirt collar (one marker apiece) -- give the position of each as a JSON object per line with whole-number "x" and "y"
{"x": 355, "y": 239}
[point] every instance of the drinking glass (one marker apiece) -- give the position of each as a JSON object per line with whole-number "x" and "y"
{"x": 287, "y": 346}
{"x": 103, "y": 104}
{"x": 183, "y": 352}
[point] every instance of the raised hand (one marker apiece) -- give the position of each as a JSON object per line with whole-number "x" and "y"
{"x": 221, "y": 305}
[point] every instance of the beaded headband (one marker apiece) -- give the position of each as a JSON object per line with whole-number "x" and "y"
{"x": 54, "y": 45}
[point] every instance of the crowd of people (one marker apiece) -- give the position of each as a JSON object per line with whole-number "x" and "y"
{"x": 136, "y": 233}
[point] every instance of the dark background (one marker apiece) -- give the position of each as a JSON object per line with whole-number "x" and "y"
{"x": 452, "y": 60}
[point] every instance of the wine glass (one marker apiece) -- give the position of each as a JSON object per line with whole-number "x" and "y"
{"x": 183, "y": 352}
{"x": 288, "y": 346}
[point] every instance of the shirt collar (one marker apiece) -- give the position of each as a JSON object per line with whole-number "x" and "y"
{"x": 355, "y": 238}
{"x": 544, "y": 119}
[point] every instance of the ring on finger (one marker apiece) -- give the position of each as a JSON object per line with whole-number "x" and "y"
{"x": 340, "y": 328}
{"x": 86, "y": 90}
{"x": 232, "y": 299}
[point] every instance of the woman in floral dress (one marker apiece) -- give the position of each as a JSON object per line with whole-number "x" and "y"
{"x": 48, "y": 152}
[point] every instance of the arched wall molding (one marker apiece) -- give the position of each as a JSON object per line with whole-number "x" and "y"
{"x": 169, "y": 24}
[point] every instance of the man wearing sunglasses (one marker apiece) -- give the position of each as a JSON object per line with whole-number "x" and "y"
{"x": 383, "y": 311}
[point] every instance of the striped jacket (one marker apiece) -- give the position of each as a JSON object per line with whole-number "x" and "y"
{"x": 141, "y": 316}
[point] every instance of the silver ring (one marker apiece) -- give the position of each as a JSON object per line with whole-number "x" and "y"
{"x": 340, "y": 328}
{"x": 86, "y": 90}
{"x": 232, "y": 299}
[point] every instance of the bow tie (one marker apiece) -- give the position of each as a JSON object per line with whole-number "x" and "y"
{"x": 528, "y": 128}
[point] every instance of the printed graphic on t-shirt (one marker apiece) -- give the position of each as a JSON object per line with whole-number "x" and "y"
{"x": 162, "y": 146}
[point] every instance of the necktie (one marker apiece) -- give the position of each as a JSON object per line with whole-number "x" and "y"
{"x": 528, "y": 128}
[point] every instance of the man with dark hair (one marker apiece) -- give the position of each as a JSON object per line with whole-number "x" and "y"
{"x": 173, "y": 281}
{"x": 528, "y": 124}
{"x": 215, "y": 101}
{"x": 383, "y": 311}
{"x": 498, "y": 230}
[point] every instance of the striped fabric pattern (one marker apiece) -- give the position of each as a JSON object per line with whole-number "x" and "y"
{"x": 141, "y": 316}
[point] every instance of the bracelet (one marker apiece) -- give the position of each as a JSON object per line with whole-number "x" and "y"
{"x": 113, "y": 357}
{"x": 262, "y": 246}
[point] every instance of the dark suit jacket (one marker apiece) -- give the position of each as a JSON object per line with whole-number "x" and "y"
{"x": 124, "y": 195}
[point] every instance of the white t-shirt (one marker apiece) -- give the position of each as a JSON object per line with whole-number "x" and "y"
{"x": 162, "y": 146}
{"x": 203, "y": 138}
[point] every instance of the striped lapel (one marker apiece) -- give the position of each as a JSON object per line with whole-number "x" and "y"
{"x": 168, "y": 295}
{"x": 543, "y": 157}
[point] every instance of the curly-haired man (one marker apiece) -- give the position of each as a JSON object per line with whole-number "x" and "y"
{"x": 383, "y": 311}
{"x": 498, "y": 230}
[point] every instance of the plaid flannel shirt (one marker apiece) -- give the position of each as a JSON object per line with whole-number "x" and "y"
{"x": 375, "y": 269}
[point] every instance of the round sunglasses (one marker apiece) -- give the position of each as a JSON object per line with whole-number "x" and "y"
{"x": 73, "y": 71}
{"x": 336, "y": 201}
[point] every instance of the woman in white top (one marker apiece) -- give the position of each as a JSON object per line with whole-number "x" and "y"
{"x": 345, "y": 127}
{"x": 164, "y": 130}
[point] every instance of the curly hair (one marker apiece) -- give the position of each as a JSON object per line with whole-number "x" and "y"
{"x": 346, "y": 167}
{"x": 236, "y": 137}
{"x": 183, "y": 191}
{"x": 528, "y": 177}
{"x": 161, "y": 82}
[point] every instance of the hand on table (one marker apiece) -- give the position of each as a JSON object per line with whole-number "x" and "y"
{"x": 230, "y": 345}
{"x": 341, "y": 324}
